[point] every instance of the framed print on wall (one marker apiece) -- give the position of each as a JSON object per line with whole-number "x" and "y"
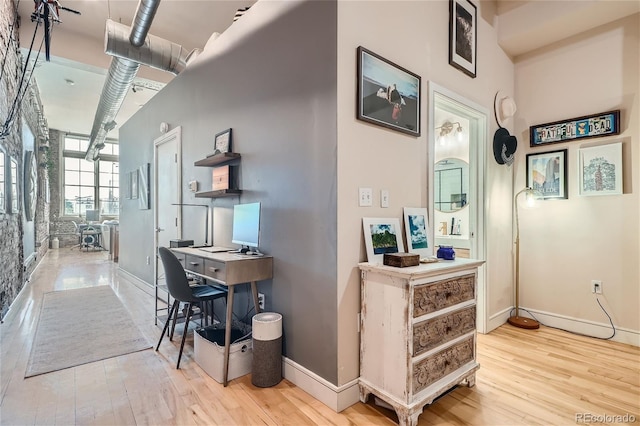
{"x": 14, "y": 206}
{"x": 588, "y": 126}
{"x": 388, "y": 95}
{"x": 547, "y": 174}
{"x": 381, "y": 235}
{"x": 143, "y": 186}
{"x": 134, "y": 184}
{"x": 463, "y": 34}
{"x": 600, "y": 169}
{"x": 416, "y": 225}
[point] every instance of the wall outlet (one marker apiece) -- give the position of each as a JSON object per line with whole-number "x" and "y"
{"x": 365, "y": 197}
{"x": 261, "y": 300}
{"x": 148, "y": 260}
{"x": 596, "y": 286}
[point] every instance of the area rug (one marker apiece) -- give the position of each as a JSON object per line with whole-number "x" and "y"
{"x": 81, "y": 326}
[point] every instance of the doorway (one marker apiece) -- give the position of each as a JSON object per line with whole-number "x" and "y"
{"x": 458, "y": 135}
{"x": 167, "y": 177}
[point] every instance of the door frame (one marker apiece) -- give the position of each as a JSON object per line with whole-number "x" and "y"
{"x": 170, "y": 136}
{"x": 479, "y": 116}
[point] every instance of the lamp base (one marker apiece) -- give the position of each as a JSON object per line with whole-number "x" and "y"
{"x": 522, "y": 322}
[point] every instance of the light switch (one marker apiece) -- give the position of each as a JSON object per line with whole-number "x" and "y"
{"x": 384, "y": 198}
{"x": 365, "y": 197}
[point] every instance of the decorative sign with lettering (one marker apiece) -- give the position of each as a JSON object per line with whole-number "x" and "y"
{"x": 590, "y": 126}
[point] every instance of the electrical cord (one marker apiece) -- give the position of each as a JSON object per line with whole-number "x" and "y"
{"x": 575, "y": 332}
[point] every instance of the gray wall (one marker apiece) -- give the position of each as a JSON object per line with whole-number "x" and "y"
{"x": 277, "y": 89}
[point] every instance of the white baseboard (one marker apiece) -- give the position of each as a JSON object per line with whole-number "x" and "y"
{"x": 138, "y": 282}
{"x": 335, "y": 397}
{"x": 576, "y": 325}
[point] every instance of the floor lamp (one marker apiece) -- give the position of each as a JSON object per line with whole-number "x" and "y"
{"x": 516, "y": 320}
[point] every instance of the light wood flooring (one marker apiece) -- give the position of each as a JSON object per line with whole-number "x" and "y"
{"x": 540, "y": 377}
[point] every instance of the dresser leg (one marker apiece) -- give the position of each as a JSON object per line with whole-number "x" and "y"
{"x": 471, "y": 380}
{"x": 408, "y": 417}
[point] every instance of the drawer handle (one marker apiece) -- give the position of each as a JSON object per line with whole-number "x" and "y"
{"x": 194, "y": 263}
{"x": 213, "y": 269}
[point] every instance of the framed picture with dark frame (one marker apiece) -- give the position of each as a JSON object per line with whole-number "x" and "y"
{"x": 588, "y": 126}
{"x": 463, "y": 36}
{"x": 547, "y": 174}
{"x": 388, "y": 94}
{"x": 223, "y": 142}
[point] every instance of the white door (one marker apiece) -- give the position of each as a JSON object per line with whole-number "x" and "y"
{"x": 167, "y": 191}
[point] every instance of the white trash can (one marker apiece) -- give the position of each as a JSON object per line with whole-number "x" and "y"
{"x": 55, "y": 243}
{"x": 266, "y": 369}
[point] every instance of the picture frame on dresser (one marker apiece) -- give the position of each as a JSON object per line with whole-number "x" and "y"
{"x": 381, "y": 235}
{"x": 416, "y": 226}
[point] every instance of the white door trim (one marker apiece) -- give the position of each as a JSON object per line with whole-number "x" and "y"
{"x": 480, "y": 115}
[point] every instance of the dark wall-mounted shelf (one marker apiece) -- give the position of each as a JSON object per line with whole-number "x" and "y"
{"x": 219, "y": 193}
{"x": 218, "y": 159}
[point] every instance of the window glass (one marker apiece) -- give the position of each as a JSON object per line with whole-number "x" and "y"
{"x": 86, "y": 182}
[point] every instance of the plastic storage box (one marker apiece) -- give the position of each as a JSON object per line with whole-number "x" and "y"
{"x": 208, "y": 348}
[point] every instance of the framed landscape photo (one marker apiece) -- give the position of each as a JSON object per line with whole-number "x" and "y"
{"x": 388, "y": 95}
{"x": 463, "y": 34}
{"x": 381, "y": 235}
{"x": 600, "y": 169}
{"x": 143, "y": 186}
{"x": 223, "y": 141}
{"x": 134, "y": 184}
{"x": 416, "y": 226}
{"x": 547, "y": 174}
{"x": 588, "y": 126}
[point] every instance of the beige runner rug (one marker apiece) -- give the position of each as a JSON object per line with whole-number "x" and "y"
{"x": 81, "y": 326}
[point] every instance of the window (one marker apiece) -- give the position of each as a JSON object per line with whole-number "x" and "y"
{"x": 84, "y": 181}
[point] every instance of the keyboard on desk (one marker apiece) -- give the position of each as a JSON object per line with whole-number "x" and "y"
{"x": 215, "y": 249}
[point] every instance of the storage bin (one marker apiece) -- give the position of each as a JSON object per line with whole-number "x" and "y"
{"x": 208, "y": 348}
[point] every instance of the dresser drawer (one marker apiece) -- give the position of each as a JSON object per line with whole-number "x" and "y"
{"x": 181, "y": 258}
{"x": 195, "y": 264}
{"x": 436, "y": 331}
{"x": 442, "y": 363}
{"x": 428, "y": 298}
{"x": 215, "y": 269}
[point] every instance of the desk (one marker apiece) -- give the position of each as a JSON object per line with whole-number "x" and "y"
{"x": 228, "y": 269}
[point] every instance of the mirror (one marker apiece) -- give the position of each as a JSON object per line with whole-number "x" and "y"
{"x": 451, "y": 184}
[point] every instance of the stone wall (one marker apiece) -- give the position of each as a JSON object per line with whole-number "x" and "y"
{"x": 12, "y": 272}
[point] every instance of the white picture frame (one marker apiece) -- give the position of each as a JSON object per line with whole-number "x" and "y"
{"x": 377, "y": 246}
{"x": 600, "y": 170}
{"x": 416, "y": 228}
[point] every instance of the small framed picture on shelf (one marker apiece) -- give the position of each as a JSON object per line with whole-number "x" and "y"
{"x": 416, "y": 225}
{"x": 223, "y": 142}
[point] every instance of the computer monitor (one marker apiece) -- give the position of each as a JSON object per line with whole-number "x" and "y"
{"x": 246, "y": 225}
{"x": 92, "y": 215}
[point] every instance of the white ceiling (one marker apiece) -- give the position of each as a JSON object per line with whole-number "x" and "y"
{"x": 77, "y": 47}
{"x": 77, "y": 53}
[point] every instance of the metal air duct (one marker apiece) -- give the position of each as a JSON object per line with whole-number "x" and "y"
{"x": 119, "y": 78}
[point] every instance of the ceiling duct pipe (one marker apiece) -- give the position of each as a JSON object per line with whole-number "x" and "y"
{"x": 119, "y": 78}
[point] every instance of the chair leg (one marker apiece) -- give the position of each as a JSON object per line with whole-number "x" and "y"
{"x": 175, "y": 320}
{"x": 184, "y": 333}
{"x": 166, "y": 324}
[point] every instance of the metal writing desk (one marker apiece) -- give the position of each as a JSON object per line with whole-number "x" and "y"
{"x": 228, "y": 269}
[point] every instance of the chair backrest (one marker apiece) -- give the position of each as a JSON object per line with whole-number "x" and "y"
{"x": 176, "y": 278}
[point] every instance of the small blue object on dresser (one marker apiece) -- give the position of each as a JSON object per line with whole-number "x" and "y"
{"x": 446, "y": 253}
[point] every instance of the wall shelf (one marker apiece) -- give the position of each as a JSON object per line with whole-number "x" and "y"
{"x": 219, "y": 193}
{"x": 217, "y": 159}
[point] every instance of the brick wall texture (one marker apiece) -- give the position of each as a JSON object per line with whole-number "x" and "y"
{"x": 13, "y": 273}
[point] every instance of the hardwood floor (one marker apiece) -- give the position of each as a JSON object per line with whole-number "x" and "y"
{"x": 539, "y": 377}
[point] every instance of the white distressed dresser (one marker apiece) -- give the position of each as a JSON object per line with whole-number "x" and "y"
{"x": 418, "y": 333}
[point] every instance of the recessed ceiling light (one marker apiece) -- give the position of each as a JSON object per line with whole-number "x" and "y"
{"x": 69, "y": 81}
